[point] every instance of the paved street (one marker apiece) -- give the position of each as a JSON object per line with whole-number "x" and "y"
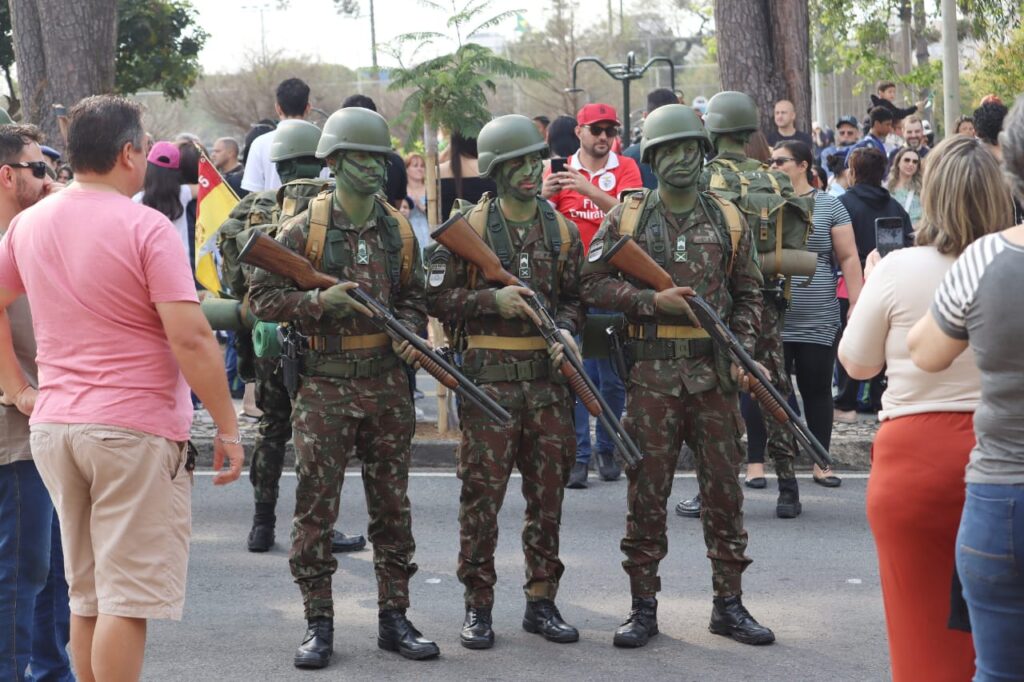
{"x": 814, "y": 580}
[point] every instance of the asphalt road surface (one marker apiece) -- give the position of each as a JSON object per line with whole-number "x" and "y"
{"x": 814, "y": 580}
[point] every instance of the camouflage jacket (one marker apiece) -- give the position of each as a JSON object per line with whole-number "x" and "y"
{"x": 698, "y": 253}
{"x": 264, "y": 211}
{"x": 351, "y": 253}
{"x": 459, "y": 297}
{"x": 744, "y": 163}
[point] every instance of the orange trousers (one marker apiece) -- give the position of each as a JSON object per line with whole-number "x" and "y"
{"x": 914, "y": 499}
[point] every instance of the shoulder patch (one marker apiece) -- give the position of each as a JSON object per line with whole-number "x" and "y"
{"x": 596, "y": 250}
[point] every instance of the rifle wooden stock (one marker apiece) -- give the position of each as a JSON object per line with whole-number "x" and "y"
{"x": 461, "y": 239}
{"x": 627, "y": 257}
{"x": 266, "y": 253}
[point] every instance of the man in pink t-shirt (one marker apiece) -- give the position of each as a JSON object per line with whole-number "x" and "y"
{"x": 120, "y": 339}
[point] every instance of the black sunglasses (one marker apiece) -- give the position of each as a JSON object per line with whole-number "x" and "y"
{"x": 780, "y": 160}
{"x": 39, "y": 168}
{"x": 610, "y": 131}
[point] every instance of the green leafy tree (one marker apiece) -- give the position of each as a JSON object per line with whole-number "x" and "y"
{"x": 158, "y": 46}
{"x": 450, "y": 91}
{"x": 999, "y": 69}
{"x": 7, "y": 57}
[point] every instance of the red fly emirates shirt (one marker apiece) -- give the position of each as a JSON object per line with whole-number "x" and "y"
{"x": 619, "y": 173}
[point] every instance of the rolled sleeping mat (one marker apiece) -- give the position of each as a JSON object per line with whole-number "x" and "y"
{"x": 793, "y": 262}
{"x": 227, "y": 314}
{"x": 265, "y": 341}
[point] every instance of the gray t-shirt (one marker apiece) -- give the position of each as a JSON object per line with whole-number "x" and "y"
{"x": 977, "y": 302}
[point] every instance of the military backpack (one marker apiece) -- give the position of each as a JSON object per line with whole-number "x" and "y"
{"x": 779, "y": 220}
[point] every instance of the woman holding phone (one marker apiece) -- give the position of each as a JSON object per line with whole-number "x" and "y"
{"x": 916, "y": 491}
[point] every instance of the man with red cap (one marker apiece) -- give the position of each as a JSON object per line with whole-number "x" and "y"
{"x": 584, "y": 192}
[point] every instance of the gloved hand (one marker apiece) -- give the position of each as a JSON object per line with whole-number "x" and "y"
{"x": 673, "y": 302}
{"x": 743, "y": 378}
{"x": 511, "y": 304}
{"x": 337, "y": 300}
{"x": 407, "y": 352}
{"x": 556, "y": 351}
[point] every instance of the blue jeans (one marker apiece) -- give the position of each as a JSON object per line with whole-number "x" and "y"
{"x": 990, "y": 561}
{"x": 34, "y": 613}
{"x": 607, "y": 381}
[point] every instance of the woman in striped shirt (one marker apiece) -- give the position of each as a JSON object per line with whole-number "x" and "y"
{"x": 813, "y": 316}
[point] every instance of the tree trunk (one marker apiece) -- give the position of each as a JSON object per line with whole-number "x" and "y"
{"x": 65, "y": 51}
{"x": 921, "y": 42}
{"x": 763, "y": 50}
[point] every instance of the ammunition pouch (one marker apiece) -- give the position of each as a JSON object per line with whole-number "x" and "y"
{"x": 524, "y": 370}
{"x": 320, "y": 365}
{"x": 670, "y": 349}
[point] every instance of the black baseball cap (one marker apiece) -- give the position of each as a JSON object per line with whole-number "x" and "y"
{"x": 848, "y": 120}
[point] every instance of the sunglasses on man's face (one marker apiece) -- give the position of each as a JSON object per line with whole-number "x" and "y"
{"x": 610, "y": 131}
{"x": 39, "y": 168}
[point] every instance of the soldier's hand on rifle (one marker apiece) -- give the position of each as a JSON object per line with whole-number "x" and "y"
{"x": 337, "y": 300}
{"x": 407, "y": 352}
{"x": 556, "y": 351}
{"x": 744, "y": 379}
{"x": 673, "y": 302}
{"x": 511, "y": 304}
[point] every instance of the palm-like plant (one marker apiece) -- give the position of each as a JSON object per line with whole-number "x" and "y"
{"x": 450, "y": 91}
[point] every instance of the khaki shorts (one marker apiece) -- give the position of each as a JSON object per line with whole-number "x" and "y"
{"x": 124, "y": 499}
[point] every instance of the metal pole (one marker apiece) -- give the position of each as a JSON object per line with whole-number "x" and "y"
{"x": 625, "y": 104}
{"x": 373, "y": 42}
{"x": 950, "y": 66}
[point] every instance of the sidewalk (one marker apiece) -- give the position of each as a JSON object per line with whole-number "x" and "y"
{"x": 851, "y": 443}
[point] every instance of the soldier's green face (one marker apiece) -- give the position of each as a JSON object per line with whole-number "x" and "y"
{"x": 677, "y": 163}
{"x": 360, "y": 172}
{"x": 520, "y": 178}
{"x": 294, "y": 169}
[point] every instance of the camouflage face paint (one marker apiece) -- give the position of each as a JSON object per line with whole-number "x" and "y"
{"x": 678, "y": 163}
{"x": 360, "y": 172}
{"x": 520, "y": 178}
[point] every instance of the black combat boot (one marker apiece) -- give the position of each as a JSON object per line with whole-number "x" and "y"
{"x": 690, "y": 508}
{"x": 730, "y": 618}
{"x": 346, "y": 543}
{"x": 542, "y": 618}
{"x": 608, "y": 467}
{"x": 640, "y": 625}
{"x": 788, "y": 506}
{"x": 577, "y": 476}
{"x": 318, "y": 644}
{"x": 396, "y": 633}
{"x": 476, "y": 629}
{"x": 261, "y": 537}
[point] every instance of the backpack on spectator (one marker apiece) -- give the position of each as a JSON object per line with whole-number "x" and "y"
{"x": 779, "y": 220}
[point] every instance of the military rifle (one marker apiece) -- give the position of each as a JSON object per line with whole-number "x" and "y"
{"x": 627, "y": 257}
{"x": 461, "y": 239}
{"x": 264, "y": 252}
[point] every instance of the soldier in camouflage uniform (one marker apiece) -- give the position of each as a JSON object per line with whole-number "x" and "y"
{"x": 353, "y": 397}
{"x": 730, "y": 119}
{"x": 294, "y": 153}
{"x": 681, "y": 388}
{"x": 505, "y": 354}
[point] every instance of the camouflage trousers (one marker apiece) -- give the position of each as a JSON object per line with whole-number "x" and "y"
{"x": 373, "y": 420}
{"x": 782, "y": 446}
{"x": 540, "y": 442}
{"x": 275, "y": 430}
{"x": 709, "y": 422}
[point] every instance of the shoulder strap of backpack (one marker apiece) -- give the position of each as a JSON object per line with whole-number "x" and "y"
{"x": 408, "y": 241}
{"x": 734, "y": 221}
{"x": 319, "y": 220}
{"x": 632, "y": 209}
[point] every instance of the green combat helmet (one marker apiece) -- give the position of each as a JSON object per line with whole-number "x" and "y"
{"x": 731, "y": 112}
{"x": 672, "y": 122}
{"x": 355, "y": 129}
{"x": 504, "y": 138}
{"x": 5, "y": 118}
{"x": 294, "y": 139}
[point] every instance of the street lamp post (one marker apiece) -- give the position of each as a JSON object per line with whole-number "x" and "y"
{"x": 624, "y": 73}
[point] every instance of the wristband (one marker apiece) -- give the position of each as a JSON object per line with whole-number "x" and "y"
{"x": 237, "y": 440}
